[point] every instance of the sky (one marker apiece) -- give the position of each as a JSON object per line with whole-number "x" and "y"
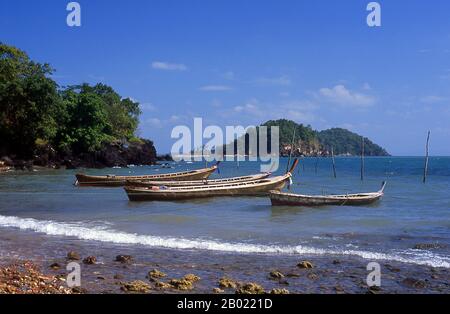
{"x": 245, "y": 62}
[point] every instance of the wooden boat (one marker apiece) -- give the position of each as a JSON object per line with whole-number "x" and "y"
{"x": 113, "y": 180}
{"x": 288, "y": 199}
{"x": 146, "y": 183}
{"x": 259, "y": 187}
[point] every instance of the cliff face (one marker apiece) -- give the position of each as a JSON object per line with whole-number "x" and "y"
{"x": 110, "y": 155}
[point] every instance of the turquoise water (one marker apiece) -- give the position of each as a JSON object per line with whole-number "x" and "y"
{"x": 410, "y": 212}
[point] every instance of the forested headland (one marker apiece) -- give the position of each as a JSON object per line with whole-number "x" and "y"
{"x": 43, "y": 124}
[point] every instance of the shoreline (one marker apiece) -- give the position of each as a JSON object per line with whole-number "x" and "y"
{"x": 217, "y": 272}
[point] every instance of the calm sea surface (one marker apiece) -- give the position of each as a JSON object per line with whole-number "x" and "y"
{"x": 411, "y": 212}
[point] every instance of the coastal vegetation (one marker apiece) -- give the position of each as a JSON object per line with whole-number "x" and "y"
{"x": 46, "y": 123}
{"x": 310, "y": 142}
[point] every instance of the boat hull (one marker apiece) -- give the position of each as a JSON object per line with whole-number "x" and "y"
{"x": 252, "y": 188}
{"x": 146, "y": 183}
{"x": 286, "y": 199}
{"x": 118, "y": 181}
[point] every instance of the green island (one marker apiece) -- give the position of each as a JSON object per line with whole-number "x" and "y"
{"x": 309, "y": 142}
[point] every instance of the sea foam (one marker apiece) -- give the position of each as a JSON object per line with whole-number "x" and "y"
{"x": 106, "y": 234}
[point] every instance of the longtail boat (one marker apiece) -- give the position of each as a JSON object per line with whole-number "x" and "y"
{"x": 287, "y": 199}
{"x": 146, "y": 183}
{"x": 259, "y": 187}
{"x": 113, "y": 180}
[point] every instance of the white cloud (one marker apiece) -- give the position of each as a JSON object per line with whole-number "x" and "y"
{"x": 154, "y": 122}
{"x": 300, "y": 111}
{"x": 252, "y": 107}
{"x": 174, "y": 118}
{"x": 339, "y": 94}
{"x": 432, "y": 99}
{"x": 147, "y": 106}
{"x": 277, "y": 81}
{"x": 160, "y": 65}
{"x": 229, "y": 75}
{"x": 215, "y": 88}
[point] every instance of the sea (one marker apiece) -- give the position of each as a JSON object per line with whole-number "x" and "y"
{"x": 46, "y": 203}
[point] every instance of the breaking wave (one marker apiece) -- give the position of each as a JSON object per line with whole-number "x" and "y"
{"x": 105, "y": 234}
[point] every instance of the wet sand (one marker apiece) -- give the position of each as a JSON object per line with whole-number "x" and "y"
{"x": 329, "y": 274}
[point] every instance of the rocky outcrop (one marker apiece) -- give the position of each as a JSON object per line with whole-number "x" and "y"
{"x": 90, "y": 260}
{"x": 153, "y": 274}
{"x": 140, "y": 152}
{"x": 225, "y": 282}
{"x": 136, "y": 286}
{"x": 73, "y": 256}
{"x": 124, "y": 259}
{"x": 305, "y": 264}
{"x": 250, "y": 288}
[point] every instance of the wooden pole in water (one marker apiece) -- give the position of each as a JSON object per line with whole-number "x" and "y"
{"x": 425, "y": 169}
{"x": 316, "y": 164}
{"x": 334, "y": 163}
{"x": 290, "y": 154}
{"x": 362, "y": 158}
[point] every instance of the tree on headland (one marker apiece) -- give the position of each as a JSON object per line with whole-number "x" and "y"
{"x": 35, "y": 112}
{"x": 28, "y": 98}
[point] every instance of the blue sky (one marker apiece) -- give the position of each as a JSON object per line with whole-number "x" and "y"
{"x": 244, "y": 62}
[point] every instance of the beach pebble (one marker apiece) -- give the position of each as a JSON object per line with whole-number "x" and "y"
{"x": 135, "y": 286}
{"x": 191, "y": 277}
{"x": 414, "y": 283}
{"x": 374, "y": 290}
{"x": 276, "y": 274}
{"x": 392, "y": 268}
{"x": 279, "y": 291}
{"x": 162, "y": 285}
{"x": 225, "y": 282}
{"x": 78, "y": 290}
{"x": 55, "y": 266}
{"x": 124, "y": 258}
{"x": 155, "y": 274}
{"x": 181, "y": 284}
{"x": 312, "y": 276}
{"x": 250, "y": 288}
{"x": 118, "y": 276}
{"x": 305, "y": 264}
{"x": 339, "y": 290}
{"x": 283, "y": 282}
{"x": 90, "y": 260}
{"x": 218, "y": 290}
{"x": 73, "y": 256}
{"x": 292, "y": 275}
